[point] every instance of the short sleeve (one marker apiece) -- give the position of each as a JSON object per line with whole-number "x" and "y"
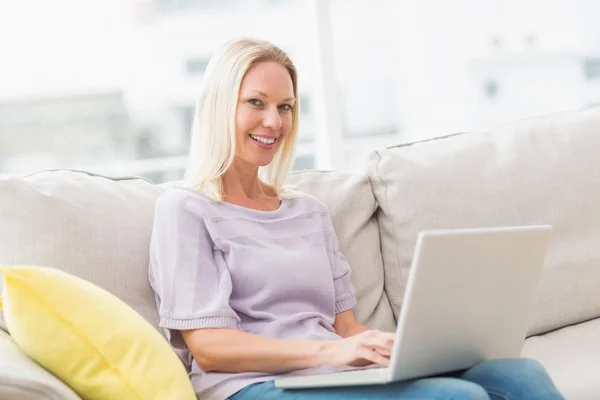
{"x": 190, "y": 280}
{"x": 345, "y": 293}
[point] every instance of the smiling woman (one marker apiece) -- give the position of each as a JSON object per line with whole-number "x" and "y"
{"x": 250, "y": 283}
{"x": 264, "y": 112}
{"x": 252, "y": 133}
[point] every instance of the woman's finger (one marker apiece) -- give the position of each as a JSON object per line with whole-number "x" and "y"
{"x": 378, "y": 342}
{"x": 374, "y": 357}
{"x": 383, "y": 352}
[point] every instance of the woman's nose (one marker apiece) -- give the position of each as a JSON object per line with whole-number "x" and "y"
{"x": 272, "y": 119}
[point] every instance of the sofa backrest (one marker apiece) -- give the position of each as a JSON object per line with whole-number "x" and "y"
{"x": 98, "y": 228}
{"x": 88, "y": 225}
{"x": 542, "y": 170}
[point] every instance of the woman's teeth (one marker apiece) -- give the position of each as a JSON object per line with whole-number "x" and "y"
{"x": 262, "y": 140}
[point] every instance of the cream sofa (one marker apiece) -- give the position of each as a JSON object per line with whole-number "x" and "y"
{"x": 535, "y": 171}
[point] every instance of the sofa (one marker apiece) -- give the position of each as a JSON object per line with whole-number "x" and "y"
{"x": 540, "y": 170}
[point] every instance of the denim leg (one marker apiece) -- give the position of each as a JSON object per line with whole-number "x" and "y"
{"x": 421, "y": 389}
{"x": 514, "y": 379}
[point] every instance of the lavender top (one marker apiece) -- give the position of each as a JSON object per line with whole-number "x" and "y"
{"x": 273, "y": 273}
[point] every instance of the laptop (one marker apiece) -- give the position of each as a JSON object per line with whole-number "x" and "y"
{"x": 469, "y": 298}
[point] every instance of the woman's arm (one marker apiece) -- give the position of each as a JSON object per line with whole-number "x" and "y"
{"x": 346, "y": 324}
{"x": 232, "y": 351}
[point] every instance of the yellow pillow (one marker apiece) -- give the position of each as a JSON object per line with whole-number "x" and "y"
{"x": 90, "y": 339}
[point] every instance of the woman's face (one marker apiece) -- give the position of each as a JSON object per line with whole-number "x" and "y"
{"x": 264, "y": 112}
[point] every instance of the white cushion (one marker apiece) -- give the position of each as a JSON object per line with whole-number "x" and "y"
{"x": 542, "y": 170}
{"x": 572, "y": 357}
{"x": 90, "y": 226}
{"x": 349, "y": 198}
{"x": 23, "y": 379}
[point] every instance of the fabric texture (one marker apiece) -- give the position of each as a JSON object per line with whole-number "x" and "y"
{"x": 91, "y": 226}
{"x": 21, "y": 378}
{"x": 537, "y": 171}
{"x": 88, "y": 338}
{"x": 496, "y": 379}
{"x": 349, "y": 199}
{"x": 572, "y": 357}
{"x": 278, "y": 274}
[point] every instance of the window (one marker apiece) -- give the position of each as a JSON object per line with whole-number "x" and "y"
{"x": 187, "y": 119}
{"x": 196, "y": 66}
{"x": 591, "y": 67}
{"x": 305, "y": 104}
{"x": 490, "y": 89}
{"x": 304, "y": 162}
{"x": 122, "y": 99}
{"x": 147, "y": 148}
{"x": 530, "y": 41}
{"x": 169, "y": 6}
{"x": 496, "y": 42}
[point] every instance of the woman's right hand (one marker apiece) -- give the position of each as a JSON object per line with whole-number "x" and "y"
{"x": 366, "y": 348}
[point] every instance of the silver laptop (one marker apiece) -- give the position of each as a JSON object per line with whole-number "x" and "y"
{"x": 468, "y": 299}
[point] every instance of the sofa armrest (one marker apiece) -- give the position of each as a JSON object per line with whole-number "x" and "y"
{"x": 22, "y": 378}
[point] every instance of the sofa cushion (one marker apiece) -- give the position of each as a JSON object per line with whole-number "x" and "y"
{"x": 572, "y": 357}
{"x": 21, "y": 378}
{"x": 88, "y": 225}
{"x": 541, "y": 170}
{"x": 351, "y": 203}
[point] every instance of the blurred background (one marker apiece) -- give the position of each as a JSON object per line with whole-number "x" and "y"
{"x": 110, "y": 85}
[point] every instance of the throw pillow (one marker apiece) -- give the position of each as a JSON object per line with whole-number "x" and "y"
{"x": 89, "y": 338}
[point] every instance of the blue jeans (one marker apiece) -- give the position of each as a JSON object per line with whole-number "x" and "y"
{"x": 504, "y": 379}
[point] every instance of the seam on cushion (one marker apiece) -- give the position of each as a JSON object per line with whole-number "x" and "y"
{"x": 514, "y": 122}
{"x": 562, "y": 327}
{"x": 394, "y": 237}
{"x": 67, "y": 322}
{"x": 319, "y": 171}
{"x": 384, "y": 295}
{"x": 92, "y": 174}
{"x": 431, "y": 139}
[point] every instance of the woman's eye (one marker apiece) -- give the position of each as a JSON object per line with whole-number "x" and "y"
{"x": 255, "y": 102}
{"x": 285, "y": 107}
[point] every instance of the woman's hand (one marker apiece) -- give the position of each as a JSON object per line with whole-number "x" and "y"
{"x": 366, "y": 348}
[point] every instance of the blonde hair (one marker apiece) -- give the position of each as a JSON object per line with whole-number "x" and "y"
{"x": 213, "y": 140}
